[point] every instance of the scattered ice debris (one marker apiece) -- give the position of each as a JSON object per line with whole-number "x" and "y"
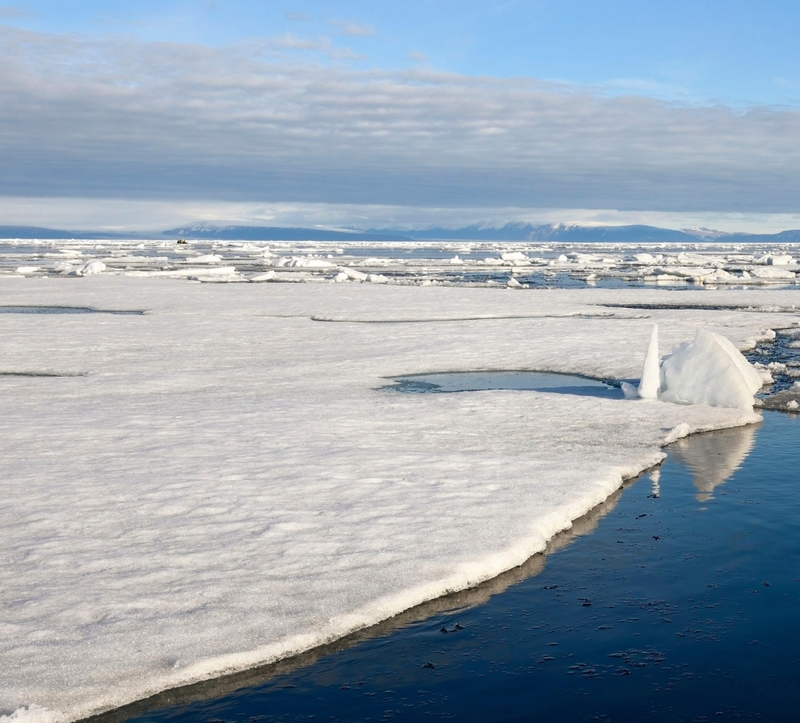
{"x": 425, "y": 262}
{"x": 710, "y": 370}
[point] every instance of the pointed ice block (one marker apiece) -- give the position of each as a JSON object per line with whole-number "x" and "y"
{"x": 651, "y": 373}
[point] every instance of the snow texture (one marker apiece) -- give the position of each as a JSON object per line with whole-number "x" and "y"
{"x": 225, "y": 483}
{"x": 651, "y": 371}
{"x": 709, "y": 370}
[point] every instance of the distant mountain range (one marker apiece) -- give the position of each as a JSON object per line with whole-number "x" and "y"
{"x": 280, "y": 233}
{"x": 477, "y": 232}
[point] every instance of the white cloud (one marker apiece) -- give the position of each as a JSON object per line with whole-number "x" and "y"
{"x": 8, "y": 13}
{"x": 354, "y": 29}
{"x": 147, "y": 215}
{"x": 252, "y": 123}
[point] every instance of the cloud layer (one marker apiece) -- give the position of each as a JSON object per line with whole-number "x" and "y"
{"x": 120, "y": 118}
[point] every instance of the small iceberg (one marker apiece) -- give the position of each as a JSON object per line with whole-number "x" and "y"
{"x": 709, "y": 370}
{"x": 651, "y": 372}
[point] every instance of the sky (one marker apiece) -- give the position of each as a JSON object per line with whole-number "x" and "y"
{"x": 137, "y": 115}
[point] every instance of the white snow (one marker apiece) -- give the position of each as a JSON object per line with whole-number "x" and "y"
{"x": 228, "y": 484}
{"x": 709, "y": 370}
{"x": 651, "y": 371}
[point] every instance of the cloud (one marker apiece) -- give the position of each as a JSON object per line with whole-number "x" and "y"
{"x": 155, "y": 215}
{"x": 122, "y": 118}
{"x": 418, "y": 56}
{"x": 8, "y": 13}
{"x": 355, "y": 30}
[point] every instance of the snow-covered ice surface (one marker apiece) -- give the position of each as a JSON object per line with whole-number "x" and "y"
{"x": 224, "y": 483}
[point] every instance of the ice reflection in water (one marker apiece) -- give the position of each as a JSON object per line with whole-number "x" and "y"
{"x": 713, "y": 457}
{"x": 656, "y": 615}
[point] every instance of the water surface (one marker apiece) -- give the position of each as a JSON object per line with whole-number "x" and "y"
{"x": 683, "y": 605}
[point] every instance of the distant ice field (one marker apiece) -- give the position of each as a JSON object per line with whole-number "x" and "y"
{"x": 221, "y": 481}
{"x": 514, "y": 264}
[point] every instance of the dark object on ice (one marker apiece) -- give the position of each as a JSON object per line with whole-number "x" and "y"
{"x": 181, "y": 241}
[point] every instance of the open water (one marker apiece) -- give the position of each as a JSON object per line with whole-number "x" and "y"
{"x": 676, "y": 600}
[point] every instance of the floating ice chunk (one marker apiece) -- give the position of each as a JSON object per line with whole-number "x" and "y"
{"x": 27, "y": 269}
{"x": 353, "y": 273}
{"x": 207, "y": 259}
{"x": 512, "y": 283}
{"x": 709, "y": 370}
{"x": 378, "y": 279}
{"x": 651, "y": 373}
{"x": 767, "y": 272}
{"x": 645, "y": 258}
{"x": 455, "y": 260}
{"x": 629, "y": 391}
{"x": 90, "y": 267}
{"x": 269, "y": 276}
{"x": 513, "y": 256}
{"x": 778, "y": 259}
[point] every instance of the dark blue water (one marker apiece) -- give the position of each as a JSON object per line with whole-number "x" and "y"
{"x": 17, "y": 309}
{"x": 449, "y": 382}
{"x": 682, "y": 605}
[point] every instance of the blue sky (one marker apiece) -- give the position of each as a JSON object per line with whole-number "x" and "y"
{"x": 679, "y": 112}
{"x": 731, "y": 51}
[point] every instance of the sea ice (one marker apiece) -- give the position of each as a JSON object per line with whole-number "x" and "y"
{"x": 651, "y": 374}
{"x": 227, "y": 484}
{"x": 709, "y": 370}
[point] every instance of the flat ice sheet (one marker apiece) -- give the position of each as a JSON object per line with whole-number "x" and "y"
{"x": 226, "y": 485}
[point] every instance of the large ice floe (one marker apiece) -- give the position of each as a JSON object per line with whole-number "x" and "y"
{"x": 221, "y": 481}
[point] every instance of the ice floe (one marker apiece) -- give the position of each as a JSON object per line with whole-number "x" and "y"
{"x": 227, "y": 484}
